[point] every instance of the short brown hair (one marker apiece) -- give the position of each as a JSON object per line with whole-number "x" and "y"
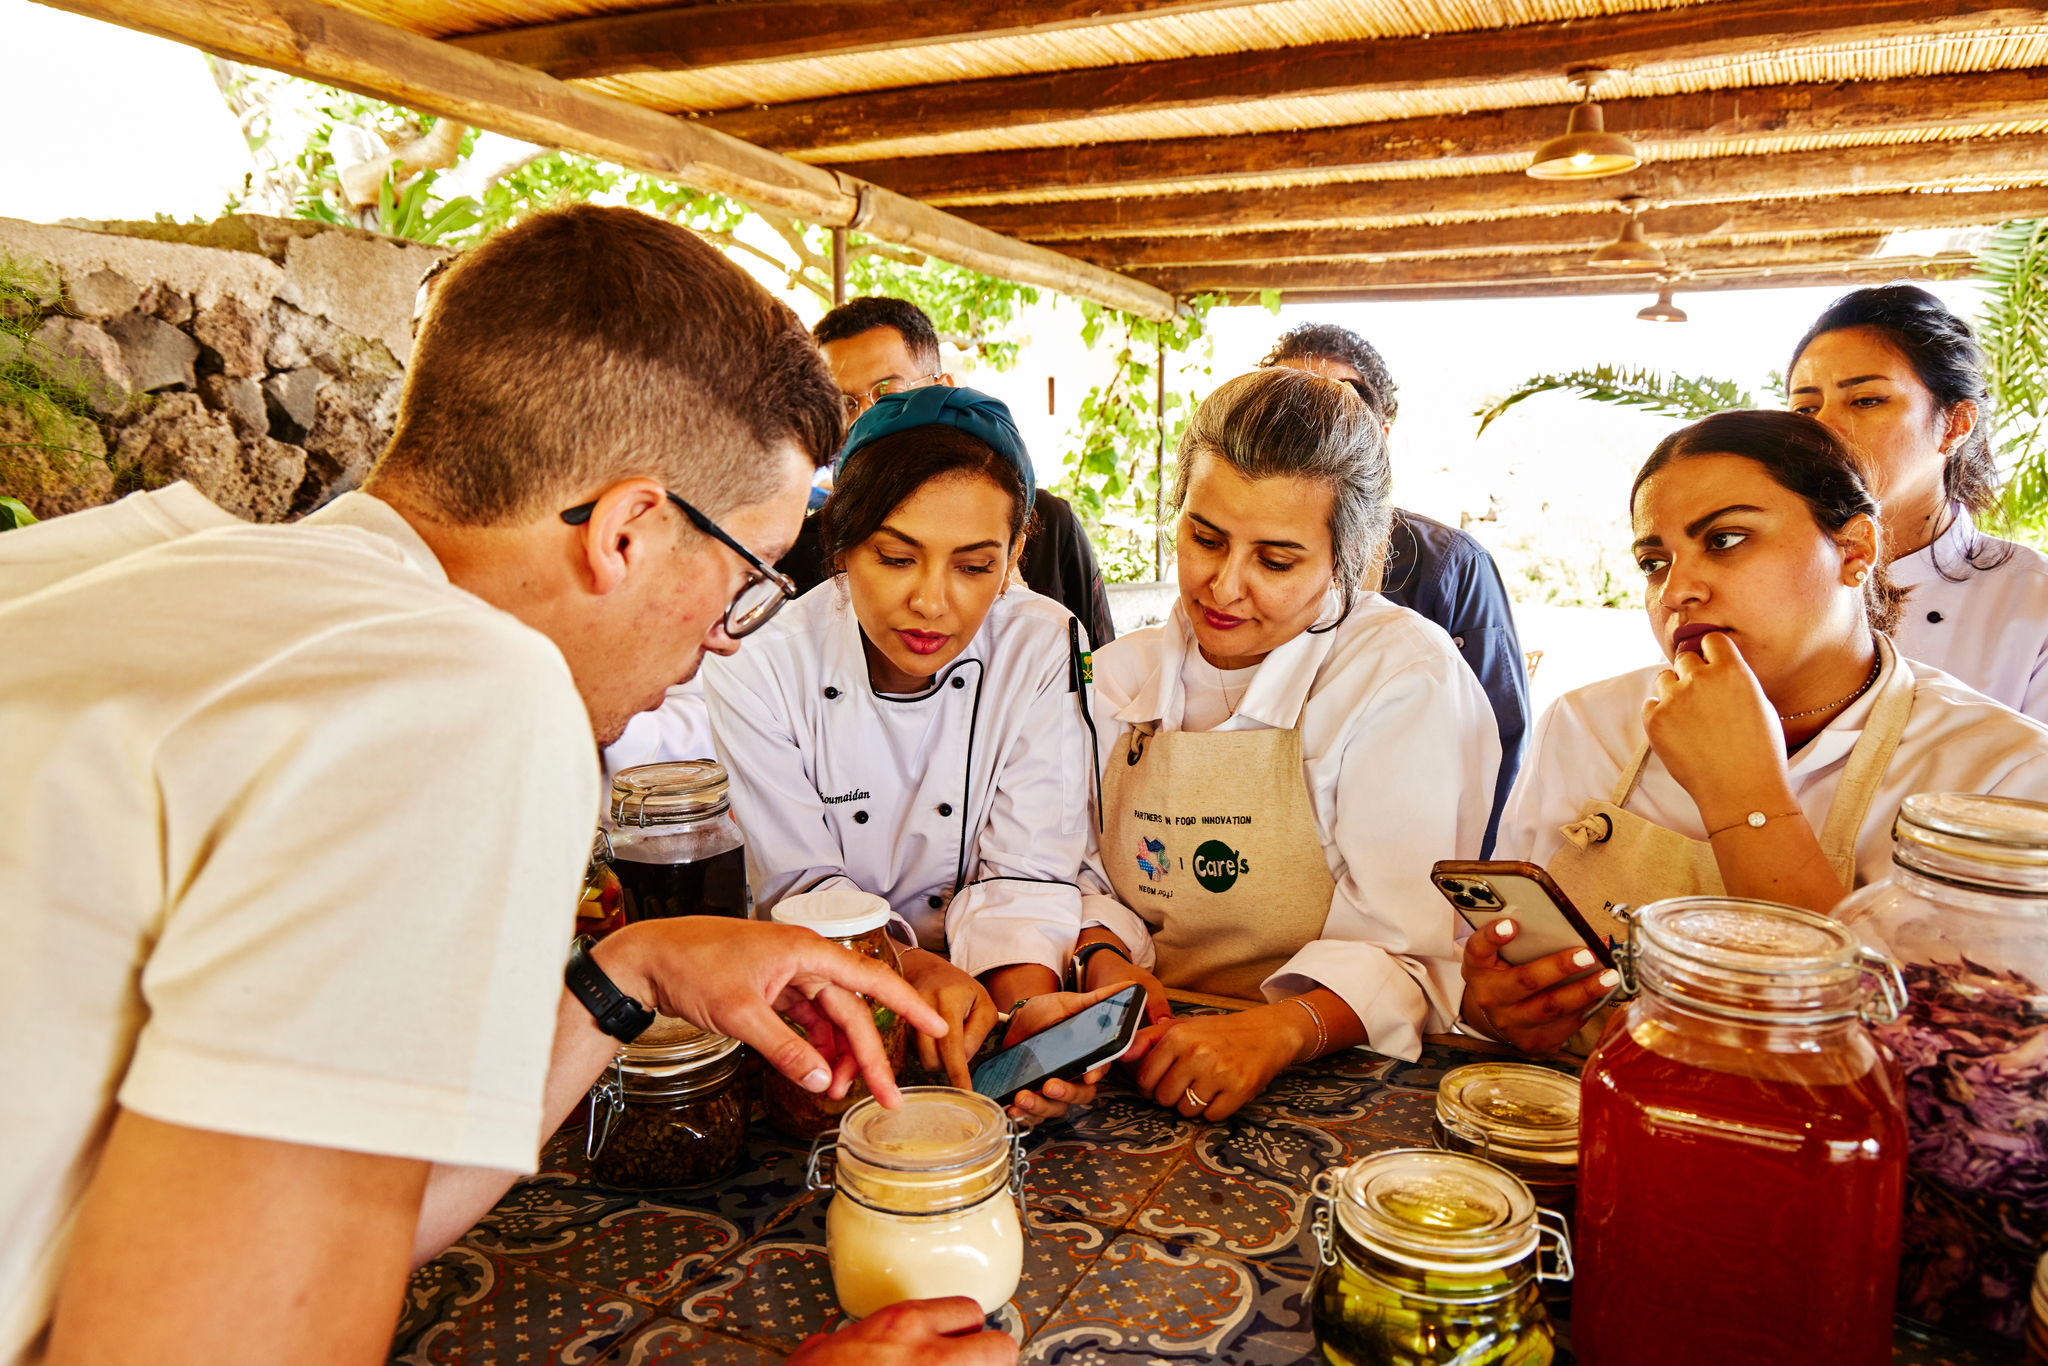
{"x": 1805, "y": 458}
{"x": 591, "y": 344}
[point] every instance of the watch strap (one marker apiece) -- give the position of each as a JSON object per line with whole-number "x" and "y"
{"x": 616, "y": 1013}
{"x": 1087, "y": 951}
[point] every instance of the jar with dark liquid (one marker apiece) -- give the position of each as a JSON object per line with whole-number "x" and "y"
{"x": 675, "y": 846}
{"x": 1742, "y": 1147}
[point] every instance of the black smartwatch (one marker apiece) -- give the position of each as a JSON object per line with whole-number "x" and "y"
{"x": 616, "y": 1013}
{"x": 1088, "y": 951}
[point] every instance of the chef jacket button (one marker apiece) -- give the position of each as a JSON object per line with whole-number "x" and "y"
{"x": 935, "y": 901}
{"x": 945, "y": 808}
{"x": 1934, "y": 617}
{"x": 959, "y": 682}
{"x": 860, "y": 818}
{"x": 831, "y": 693}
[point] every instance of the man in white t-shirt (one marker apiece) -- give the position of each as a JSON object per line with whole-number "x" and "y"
{"x": 292, "y": 818}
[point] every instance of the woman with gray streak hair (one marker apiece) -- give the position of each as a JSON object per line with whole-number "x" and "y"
{"x": 1284, "y": 759}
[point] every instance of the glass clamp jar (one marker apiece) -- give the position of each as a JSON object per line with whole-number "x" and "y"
{"x": 1741, "y": 1109}
{"x": 1522, "y": 1118}
{"x": 675, "y": 846}
{"x": 670, "y": 1112}
{"x": 1966, "y": 910}
{"x": 1431, "y": 1258}
{"x": 922, "y": 1203}
{"x": 858, "y": 922}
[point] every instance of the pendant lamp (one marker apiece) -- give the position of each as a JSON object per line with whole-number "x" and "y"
{"x": 1663, "y": 311}
{"x": 1587, "y": 150}
{"x": 1630, "y": 250}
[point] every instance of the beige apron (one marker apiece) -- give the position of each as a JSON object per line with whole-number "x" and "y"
{"x": 1612, "y": 858}
{"x": 1211, "y": 839}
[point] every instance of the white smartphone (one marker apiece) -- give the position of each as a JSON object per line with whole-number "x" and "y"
{"x": 1546, "y": 920}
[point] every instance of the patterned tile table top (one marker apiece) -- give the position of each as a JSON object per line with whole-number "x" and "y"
{"x": 1152, "y": 1239}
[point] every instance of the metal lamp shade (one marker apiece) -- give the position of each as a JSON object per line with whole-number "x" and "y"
{"x": 1663, "y": 311}
{"x": 1630, "y": 251}
{"x": 1587, "y": 150}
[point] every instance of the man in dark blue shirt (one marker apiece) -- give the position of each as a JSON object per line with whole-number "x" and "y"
{"x": 1433, "y": 569}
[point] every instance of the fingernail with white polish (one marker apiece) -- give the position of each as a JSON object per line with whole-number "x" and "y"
{"x": 1610, "y": 978}
{"x": 1503, "y": 928}
{"x": 817, "y": 1080}
{"x": 1583, "y": 958}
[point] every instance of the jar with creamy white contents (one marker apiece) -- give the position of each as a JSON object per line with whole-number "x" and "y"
{"x": 922, "y": 1204}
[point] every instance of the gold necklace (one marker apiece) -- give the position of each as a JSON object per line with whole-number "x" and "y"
{"x": 1223, "y": 685}
{"x": 1875, "y": 666}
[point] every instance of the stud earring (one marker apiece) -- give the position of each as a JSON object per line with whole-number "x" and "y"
{"x": 1861, "y": 575}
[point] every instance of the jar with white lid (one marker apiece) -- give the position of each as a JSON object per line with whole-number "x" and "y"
{"x": 671, "y": 1112}
{"x": 858, "y": 922}
{"x": 1522, "y": 1118}
{"x": 1432, "y": 1258}
{"x": 675, "y": 846}
{"x": 1965, "y": 911}
{"x": 922, "y": 1203}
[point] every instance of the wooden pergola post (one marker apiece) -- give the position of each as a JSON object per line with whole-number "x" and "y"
{"x": 1159, "y": 461}
{"x": 838, "y": 266}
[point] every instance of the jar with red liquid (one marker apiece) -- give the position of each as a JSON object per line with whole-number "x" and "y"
{"x": 1742, "y": 1147}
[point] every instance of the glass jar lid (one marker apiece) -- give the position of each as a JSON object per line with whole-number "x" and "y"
{"x": 669, "y": 794}
{"x": 1513, "y": 1111}
{"x": 672, "y": 1047}
{"x": 936, "y": 1129}
{"x": 834, "y": 912}
{"x": 1437, "y": 1211}
{"x": 1753, "y": 960}
{"x": 1996, "y": 843}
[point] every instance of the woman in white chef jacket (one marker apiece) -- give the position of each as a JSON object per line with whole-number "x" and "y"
{"x": 1284, "y": 759}
{"x": 1769, "y": 758}
{"x": 913, "y": 725}
{"x": 1891, "y": 369}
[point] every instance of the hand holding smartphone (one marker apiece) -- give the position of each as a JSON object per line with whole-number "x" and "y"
{"x": 1484, "y": 892}
{"x": 1068, "y": 1050}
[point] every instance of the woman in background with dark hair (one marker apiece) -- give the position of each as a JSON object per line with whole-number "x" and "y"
{"x": 913, "y": 726}
{"x": 1898, "y": 375}
{"x": 1768, "y": 759}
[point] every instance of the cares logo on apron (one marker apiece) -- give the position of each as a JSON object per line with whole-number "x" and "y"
{"x": 1217, "y": 865}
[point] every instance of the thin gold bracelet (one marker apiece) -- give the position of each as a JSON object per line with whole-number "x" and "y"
{"x": 1755, "y": 820}
{"x": 1322, "y": 1035}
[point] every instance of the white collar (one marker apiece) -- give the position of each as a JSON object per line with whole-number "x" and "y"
{"x": 1952, "y": 547}
{"x": 1278, "y": 691}
{"x": 367, "y": 512}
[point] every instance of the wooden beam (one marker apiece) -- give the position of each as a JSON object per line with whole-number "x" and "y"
{"x": 340, "y": 47}
{"x": 1847, "y": 276}
{"x": 686, "y": 36}
{"x": 2008, "y": 161}
{"x": 1531, "y": 52}
{"x": 1910, "y": 104}
{"x": 1691, "y": 224}
{"x": 1466, "y": 270}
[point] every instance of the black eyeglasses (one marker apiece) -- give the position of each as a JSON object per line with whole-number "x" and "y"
{"x": 758, "y": 600}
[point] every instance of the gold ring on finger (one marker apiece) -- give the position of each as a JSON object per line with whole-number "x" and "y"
{"x": 1195, "y": 1100}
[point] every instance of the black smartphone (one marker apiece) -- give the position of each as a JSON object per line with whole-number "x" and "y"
{"x": 1098, "y": 1034}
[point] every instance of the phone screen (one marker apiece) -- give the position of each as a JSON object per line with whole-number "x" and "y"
{"x": 1078, "y": 1038}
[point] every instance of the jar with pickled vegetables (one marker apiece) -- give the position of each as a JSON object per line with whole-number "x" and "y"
{"x": 1432, "y": 1259}
{"x": 671, "y": 1112}
{"x": 600, "y": 908}
{"x": 922, "y": 1202}
{"x": 1519, "y": 1117}
{"x": 1966, "y": 912}
{"x": 858, "y": 922}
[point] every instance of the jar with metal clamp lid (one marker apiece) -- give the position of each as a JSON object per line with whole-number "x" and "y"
{"x": 858, "y": 922}
{"x": 670, "y": 1112}
{"x": 675, "y": 846}
{"x": 1742, "y": 1146}
{"x": 1522, "y": 1118}
{"x": 922, "y": 1202}
{"x": 1965, "y": 911}
{"x": 1432, "y": 1258}
{"x": 601, "y": 908}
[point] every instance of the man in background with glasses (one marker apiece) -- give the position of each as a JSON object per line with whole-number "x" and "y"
{"x": 294, "y": 818}
{"x": 877, "y": 345}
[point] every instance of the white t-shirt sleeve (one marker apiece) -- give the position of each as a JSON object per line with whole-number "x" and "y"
{"x": 1414, "y": 785}
{"x": 372, "y": 849}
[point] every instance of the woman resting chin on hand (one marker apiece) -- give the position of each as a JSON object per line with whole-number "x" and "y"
{"x": 1768, "y": 757}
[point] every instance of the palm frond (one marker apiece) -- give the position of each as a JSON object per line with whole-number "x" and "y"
{"x": 2012, "y": 270}
{"x": 1632, "y": 386}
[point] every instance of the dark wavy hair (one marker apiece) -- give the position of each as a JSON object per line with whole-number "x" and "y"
{"x": 1949, "y": 363}
{"x": 1331, "y": 342}
{"x": 883, "y": 475}
{"x": 1804, "y": 457}
{"x": 871, "y": 311}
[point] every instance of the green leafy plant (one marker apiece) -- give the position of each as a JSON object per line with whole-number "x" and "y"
{"x": 1632, "y": 386}
{"x": 410, "y": 212}
{"x": 42, "y": 413}
{"x": 2012, "y": 269}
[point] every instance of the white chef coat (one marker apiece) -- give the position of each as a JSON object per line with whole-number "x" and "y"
{"x": 1955, "y": 740}
{"x": 1399, "y": 751}
{"x": 1985, "y": 627}
{"x": 966, "y": 806}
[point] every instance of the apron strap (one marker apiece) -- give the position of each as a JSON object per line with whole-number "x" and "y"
{"x": 1868, "y": 760}
{"x": 1594, "y": 827}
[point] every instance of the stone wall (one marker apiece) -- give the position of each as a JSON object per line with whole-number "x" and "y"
{"x": 258, "y": 358}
